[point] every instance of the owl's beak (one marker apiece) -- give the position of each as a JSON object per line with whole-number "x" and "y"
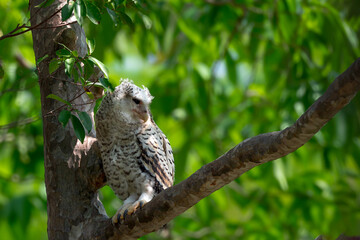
{"x": 144, "y": 116}
{"x": 142, "y": 113}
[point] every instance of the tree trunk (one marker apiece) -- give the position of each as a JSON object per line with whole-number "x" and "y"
{"x": 72, "y": 197}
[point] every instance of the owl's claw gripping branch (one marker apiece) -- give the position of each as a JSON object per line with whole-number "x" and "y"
{"x": 127, "y": 210}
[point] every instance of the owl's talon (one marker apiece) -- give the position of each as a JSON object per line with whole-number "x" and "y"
{"x": 125, "y": 213}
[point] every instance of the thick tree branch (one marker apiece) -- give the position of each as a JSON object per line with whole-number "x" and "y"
{"x": 246, "y": 155}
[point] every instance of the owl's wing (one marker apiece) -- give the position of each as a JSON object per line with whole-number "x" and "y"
{"x": 157, "y": 156}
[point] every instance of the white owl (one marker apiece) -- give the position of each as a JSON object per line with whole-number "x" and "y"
{"x": 137, "y": 157}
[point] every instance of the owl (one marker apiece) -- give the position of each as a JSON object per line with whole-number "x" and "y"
{"x": 137, "y": 157}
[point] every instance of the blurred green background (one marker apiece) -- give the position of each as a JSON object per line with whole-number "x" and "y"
{"x": 221, "y": 71}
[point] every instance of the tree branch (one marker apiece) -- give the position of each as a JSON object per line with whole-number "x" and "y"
{"x": 246, "y": 155}
{"x": 30, "y": 28}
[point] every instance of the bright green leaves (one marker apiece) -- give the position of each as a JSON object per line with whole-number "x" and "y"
{"x": 102, "y": 67}
{"x": 38, "y": 61}
{"x": 81, "y": 9}
{"x": 92, "y": 12}
{"x": 91, "y": 45}
{"x": 54, "y": 65}
{"x": 80, "y": 69}
{"x": 63, "y": 53}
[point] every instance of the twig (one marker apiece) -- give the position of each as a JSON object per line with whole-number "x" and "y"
{"x": 17, "y": 89}
{"x": 65, "y": 80}
{"x": 12, "y": 34}
{"x": 64, "y": 105}
{"x": 56, "y": 26}
{"x": 20, "y": 122}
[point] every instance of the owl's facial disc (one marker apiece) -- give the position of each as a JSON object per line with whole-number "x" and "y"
{"x": 140, "y": 109}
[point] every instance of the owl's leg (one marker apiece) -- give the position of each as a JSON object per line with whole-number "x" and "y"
{"x": 145, "y": 197}
{"x": 130, "y": 206}
{"x": 120, "y": 214}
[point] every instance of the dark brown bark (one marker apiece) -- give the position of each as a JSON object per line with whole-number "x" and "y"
{"x": 73, "y": 171}
{"x": 71, "y": 179}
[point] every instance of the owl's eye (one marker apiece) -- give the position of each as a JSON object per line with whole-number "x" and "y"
{"x": 136, "y": 101}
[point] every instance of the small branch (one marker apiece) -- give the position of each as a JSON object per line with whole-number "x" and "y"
{"x": 245, "y": 156}
{"x": 64, "y": 105}
{"x": 56, "y": 26}
{"x": 17, "y": 89}
{"x": 20, "y": 122}
{"x": 18, "y": 27}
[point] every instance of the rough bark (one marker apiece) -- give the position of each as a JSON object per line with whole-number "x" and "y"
{"x": 73, "y": 171}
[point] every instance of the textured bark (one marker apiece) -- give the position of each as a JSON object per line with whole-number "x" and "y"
{"x": 73, "y": 171}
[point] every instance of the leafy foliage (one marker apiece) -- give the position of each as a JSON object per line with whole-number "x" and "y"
{"x": 220, "y": 71}
{"x": 73, "y": 68}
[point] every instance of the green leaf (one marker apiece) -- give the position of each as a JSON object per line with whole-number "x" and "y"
{"x": 88, "y": 68}
{"x": 63, "y": 53}
{"x": 64, "y": 117}
{"x": 75, "y": 74}
{"x": 54, "y": 65}
{"x": 91, "y": 45}
{"x": 82, "y": 80}
{"x": 100, "y": 65}
{"x": 105, "y": 82}
{"x": 45, "y": 3}
{"x": 75, "y": 53}
{"x": 114, "y": 16}
{"x": 85, "y": 120}
{"x": 53, "y": 96}
{"x": 78, "y": 128}
{"x": 69, "y": 65}
{"x": 67, "y": 11}
{"x": 80, "y": 11}
{"x": 93, "y": 12}
{"x": 97, "y": 104}
{"x": 41, "y": 59}
{"x": 127, "y": 20}
{"x": 90, "y": 95}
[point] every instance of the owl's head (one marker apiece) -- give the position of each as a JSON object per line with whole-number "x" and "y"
{"x": 131, "y": 103}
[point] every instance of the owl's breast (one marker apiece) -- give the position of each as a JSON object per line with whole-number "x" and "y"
{"x": 121, "y": 167}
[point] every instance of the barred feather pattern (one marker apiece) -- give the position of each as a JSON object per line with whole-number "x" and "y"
{"x": 137, "y": 157}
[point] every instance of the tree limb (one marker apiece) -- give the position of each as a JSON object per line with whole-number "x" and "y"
{"x": 246, "y": 155}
